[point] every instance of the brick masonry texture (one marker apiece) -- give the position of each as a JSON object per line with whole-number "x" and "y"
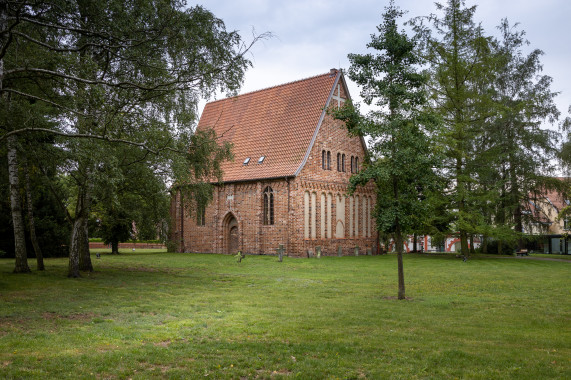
{"x": 240, "y": 202}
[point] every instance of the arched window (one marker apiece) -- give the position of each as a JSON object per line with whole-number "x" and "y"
{"x": 356, "y": 164}
{"x": 352, "y": 164}
{"x": 201, "y": 215}
{"x": 338, "y": 162}
{"x": 323, "y": 160}
{"x": 343, "y": 162}
{"x": 306, "y": 220}
{"x": 313, "y": 220}
{"x": 340, "y": 223}
{"x": 323, "y": 215}
{"x": 328, "y": 160}
{"x": 268, "y": 206}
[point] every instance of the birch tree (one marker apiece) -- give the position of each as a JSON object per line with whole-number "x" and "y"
{"x": 128, "y": 72}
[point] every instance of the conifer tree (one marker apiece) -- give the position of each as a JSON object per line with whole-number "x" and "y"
{"x": 520, "y": 151}
{"x": 460, "y": 63}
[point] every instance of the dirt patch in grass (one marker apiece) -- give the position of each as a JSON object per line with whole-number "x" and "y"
{"x": 164, "y": 343}
{"x": 9, "y": 324}
{"x": 50, "y": 315}
{"x": 263, "y": 373}
{"x": 143, "y": 269}
{"x": 396, "y": 298}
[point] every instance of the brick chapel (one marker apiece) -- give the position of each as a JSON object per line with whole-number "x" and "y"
{"x": 288, "y": 182}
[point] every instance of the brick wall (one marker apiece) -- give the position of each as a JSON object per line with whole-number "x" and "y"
{"x": 332, "y": 137}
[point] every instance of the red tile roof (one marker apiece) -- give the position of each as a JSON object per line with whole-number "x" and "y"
{"x": 277, "y": 122}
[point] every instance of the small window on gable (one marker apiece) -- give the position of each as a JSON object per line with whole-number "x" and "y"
{"x": 261, "y": 159}
{"x": 338, "y": 162}
{"x": 343, "y": 162}
{"x": 326, "y": 159}
{"x": 246, "y": 161}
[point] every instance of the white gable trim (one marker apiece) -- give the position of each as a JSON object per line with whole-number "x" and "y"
{"x": 314, "y": 137}
{"x": 338, "y": 79}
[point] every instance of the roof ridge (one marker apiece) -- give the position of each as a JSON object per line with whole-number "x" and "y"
{"x": 330, "y": 73}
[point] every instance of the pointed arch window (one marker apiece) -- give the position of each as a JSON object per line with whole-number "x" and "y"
{"x": 268, "y": 206}
{"x": 338, "y": 162}
{"x": 352, "y": 164}
{"x": 328, "y": 160}
{"x": 343, "y": 162}
{"x": 201, "y": 215}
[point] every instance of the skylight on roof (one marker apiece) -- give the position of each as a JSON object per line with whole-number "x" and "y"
{"x": 246, "y": 161}
{"x": 261, "y": 159}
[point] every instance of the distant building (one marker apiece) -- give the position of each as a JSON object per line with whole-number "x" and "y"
{"x": 545, "y": 208}
{"x": 288, "y": 182}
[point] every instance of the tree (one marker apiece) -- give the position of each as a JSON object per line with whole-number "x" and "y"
{"x": 32, "y": 219}
{"x": 460, "y": 63}
{"x": 400, "y": 129}
{"x": 132, "y": 195}
{"x": 115, "y": 228}
{"x": 116, "y": 72}
{"x": 522, "y": 153}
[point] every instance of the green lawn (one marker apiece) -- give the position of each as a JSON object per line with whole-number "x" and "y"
{"x": 159, "y": 315}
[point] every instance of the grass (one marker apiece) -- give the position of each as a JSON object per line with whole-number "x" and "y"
{"x": 145, "y": 314}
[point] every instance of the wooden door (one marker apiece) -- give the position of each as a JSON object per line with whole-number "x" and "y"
{"x": 234, "y": 245}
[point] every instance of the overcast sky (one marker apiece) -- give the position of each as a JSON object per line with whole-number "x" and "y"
{"x": 312, "y": 36}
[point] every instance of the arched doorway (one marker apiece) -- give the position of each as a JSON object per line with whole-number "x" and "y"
{"x": 231, "y": 234}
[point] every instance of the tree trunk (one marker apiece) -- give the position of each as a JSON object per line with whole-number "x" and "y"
{"x": 414, "y": 247}
{"x": 399, "y": 243}
{"x": 21, "y": 255}
{"x": 31, "y": 222}
{"x": 79, "y": 258}
{"x": 115, "y": 247}
{"x": 516, "y": 201}
{"x": 464, "y": 242}
{"x": 519, "y": 227}
{"x": 84, "y": 256}
{"x": 76, "y": 232}
{"x": 17, "y": 219}
{"x": 472, "y": 249}
{"x": 484, "y": 244}
{"x": 461, "y": 194}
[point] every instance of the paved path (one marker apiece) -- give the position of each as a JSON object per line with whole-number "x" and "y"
{"x": 539, "y": 258}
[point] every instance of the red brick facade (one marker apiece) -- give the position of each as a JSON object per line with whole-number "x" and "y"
{"x": 310, "y": 205}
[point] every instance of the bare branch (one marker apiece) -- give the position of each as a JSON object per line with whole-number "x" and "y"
{"x": 90, "y": 136}
{"x": 30, "y": 96}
